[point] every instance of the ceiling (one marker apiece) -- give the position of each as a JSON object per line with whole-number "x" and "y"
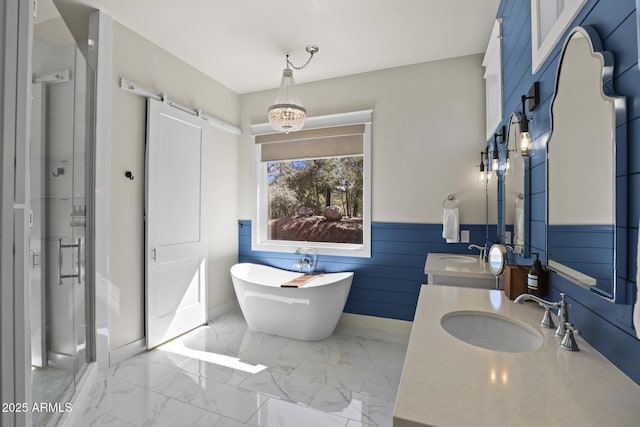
{"x": 242, "y": 43}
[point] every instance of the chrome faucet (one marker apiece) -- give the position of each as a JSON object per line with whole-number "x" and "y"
{"x": 308, "y": 259}
{"x": 547, "y": 321}
{"x": 482, "y": 249}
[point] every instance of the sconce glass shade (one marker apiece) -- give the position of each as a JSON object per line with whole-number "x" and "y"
{"x": 525, "y": 143}
{"x": 495, "y": 160}
{"x": 286, "y": 114}
{"x": 483, "y": 175}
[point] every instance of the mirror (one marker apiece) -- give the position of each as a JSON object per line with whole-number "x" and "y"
{"x": 497, "y": 259}
{"x": 581, "y": 166}
{"x": 515, "y": 214}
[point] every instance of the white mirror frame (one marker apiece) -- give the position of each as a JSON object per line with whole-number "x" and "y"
{"x": 492, "y": 63}
{"x": 548, "y": 23}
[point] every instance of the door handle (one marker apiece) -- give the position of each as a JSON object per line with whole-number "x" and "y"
{"x": 35, "y": 259}
{"x": 61, "y": 246}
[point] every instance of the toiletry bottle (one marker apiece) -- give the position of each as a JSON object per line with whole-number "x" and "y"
{"x": 536, "y": 279}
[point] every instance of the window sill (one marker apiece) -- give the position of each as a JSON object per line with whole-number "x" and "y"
{"x": 329, "y": 249}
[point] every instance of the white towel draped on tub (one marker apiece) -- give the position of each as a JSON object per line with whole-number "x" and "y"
{"x": 451, "y": 225}
{"x": 518, "y": 227}
{"x": 636, "y": 308}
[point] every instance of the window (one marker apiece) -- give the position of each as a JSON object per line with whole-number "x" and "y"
{"x": 549, "y": 20}
{"x": 313, "y": 186}
{"x": 492, "y": 63}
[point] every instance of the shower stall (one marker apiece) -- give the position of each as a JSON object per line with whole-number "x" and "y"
{"x": 60, "y": 182}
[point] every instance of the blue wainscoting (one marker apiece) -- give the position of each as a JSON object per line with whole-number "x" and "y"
{"x": 607, "y": 326}
{"x": 388, "y": 283}
{"x": 586, "y": 248}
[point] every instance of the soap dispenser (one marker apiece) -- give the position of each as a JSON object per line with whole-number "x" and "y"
{"x": 537, "y": 279}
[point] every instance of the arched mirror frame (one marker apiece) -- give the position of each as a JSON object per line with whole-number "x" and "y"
{"x": 619, "y": 140}
{"x": 513, "y": 129}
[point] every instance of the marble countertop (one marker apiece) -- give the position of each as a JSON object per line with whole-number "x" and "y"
{"x": 447, "y": 382}
{"x": 442, "y": 264}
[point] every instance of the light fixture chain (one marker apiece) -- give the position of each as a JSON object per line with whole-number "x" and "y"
{"x": 301, "y": 67}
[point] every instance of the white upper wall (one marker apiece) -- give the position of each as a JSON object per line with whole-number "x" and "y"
{"x": 428, "y": 131}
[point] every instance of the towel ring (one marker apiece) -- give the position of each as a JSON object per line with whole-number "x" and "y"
{"x": 450, "y": 198}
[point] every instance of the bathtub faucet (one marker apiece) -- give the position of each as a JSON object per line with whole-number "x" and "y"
{"x": 308, "y": 259}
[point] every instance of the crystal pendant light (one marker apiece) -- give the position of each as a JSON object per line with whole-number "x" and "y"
{"x": 287, "y": 114}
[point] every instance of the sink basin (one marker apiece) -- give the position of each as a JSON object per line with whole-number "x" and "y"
{"x": 491, "y": 331}
{"x": 460, "y": 259}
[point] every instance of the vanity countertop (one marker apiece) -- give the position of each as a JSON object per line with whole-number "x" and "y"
{"x": 447, "y": 382}
{"x": 445, "y": 265}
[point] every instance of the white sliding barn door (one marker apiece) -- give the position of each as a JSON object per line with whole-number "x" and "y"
{"x": 176, "y": 246}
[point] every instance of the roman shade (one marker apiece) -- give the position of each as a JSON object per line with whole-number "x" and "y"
{"x": 312, "y": 144}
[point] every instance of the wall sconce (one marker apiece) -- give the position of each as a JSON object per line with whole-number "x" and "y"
{"x": 486, "y": 157}
{"x": 495, "y": 159}
{"x": 483, "y": 172}
{"x": 507, "y": 163}
{"x": 502, "y": 135}
{"x": 525, "y": 139}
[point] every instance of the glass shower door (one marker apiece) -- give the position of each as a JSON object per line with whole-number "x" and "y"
{"x": 58, "y": 158}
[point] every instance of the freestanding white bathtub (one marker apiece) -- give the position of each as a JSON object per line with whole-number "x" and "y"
{"x": 308, "y": 313}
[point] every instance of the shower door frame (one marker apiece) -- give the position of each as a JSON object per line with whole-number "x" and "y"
{"x": 16, "y": 29}
{"x": 16, "y": 33}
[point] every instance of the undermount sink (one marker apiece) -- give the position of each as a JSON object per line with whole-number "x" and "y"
{"x": 461, "y": 259}
{"x": 491, "y": 331}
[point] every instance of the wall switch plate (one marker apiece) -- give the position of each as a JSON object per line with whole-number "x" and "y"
{"x": 507, "y": 237}
{"x": 464, "y": 236}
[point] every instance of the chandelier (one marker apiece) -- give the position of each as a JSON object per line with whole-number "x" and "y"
{"x": 287, "y": 114}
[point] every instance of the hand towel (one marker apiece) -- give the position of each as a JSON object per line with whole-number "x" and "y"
{"x": 451, "y": 225}
{"x": 518, "y": 227}
{"x": 636, "y": 309}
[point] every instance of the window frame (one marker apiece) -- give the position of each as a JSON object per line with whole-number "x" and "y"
{"x": 259, "y": 239}
{"x": 543, "y": 44}
{"x": 492, "y": 63}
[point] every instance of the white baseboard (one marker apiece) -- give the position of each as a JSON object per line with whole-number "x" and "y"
{"x": 380, "y": 323}
{"x": 140, "y": 346}
{"x": 225, "y": 308}
{"x": 127, "y": 351}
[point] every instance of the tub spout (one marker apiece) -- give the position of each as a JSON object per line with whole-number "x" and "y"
{"x": 308, "y": 259}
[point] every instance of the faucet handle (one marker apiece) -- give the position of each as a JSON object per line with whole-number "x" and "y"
{"x": 547, "y": 321}
{"x": 569, "y": 342}
{"x": 563, "y": 316}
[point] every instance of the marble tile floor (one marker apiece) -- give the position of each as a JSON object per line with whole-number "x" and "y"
{"x": 225, "y": 375}
{"x": 48, "y": 385}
